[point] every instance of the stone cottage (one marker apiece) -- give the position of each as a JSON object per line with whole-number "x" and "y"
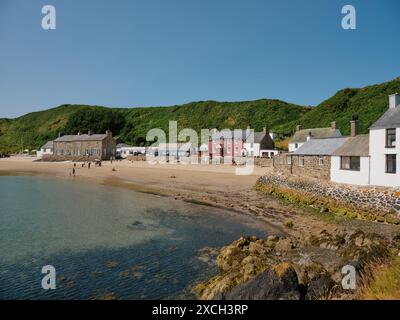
{"x": 80, "y": 146}
{"x": 313, "y": 159}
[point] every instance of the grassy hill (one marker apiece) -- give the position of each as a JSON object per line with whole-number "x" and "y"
{"x": 131, "y": 124}
{"x": 368, "y": 103}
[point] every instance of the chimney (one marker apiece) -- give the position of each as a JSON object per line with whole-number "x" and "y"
{"x": 333, "y": 125}
{"x": 309, "y": 136}
{"x": 79, "y": 133}
{"x": 354, "y": 126}
{"x": 298, "y": 127}
{"x": 59, "y": 134}
{"x": 89, "y": 133}
{"x": 108, "y": 132}
{"x": 394, "y": 101}
{"x": 248, "y": 127}
{"x": 265, "y": 130}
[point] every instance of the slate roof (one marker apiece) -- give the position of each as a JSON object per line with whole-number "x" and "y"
{"x": 354, "y": 146}
{"x": 48, "y": 145}
{"x": 123, "y": 145}
{"x": 259, "y": 136}
{"x": 390, "y": 119}
{"x": 229, "y": 134}
{"x": 316, "y": 133}
{"x": 320, "y": 147}
{"x": 81, "y": 137}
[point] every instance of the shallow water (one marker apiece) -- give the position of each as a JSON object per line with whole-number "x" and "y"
{"x": 106, "y": 242}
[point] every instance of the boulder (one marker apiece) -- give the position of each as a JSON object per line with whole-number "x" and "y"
{"x": 278, "y": 282}
{"x": 284, "y": 245}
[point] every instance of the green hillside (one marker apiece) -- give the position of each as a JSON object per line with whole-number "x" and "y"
{"x": 367, "y": 103}
{"x": 131, "y": 124}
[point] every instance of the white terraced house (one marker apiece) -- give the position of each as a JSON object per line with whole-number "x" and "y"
{"x": 374, "y": 158}
{"x": 384, "y": 146}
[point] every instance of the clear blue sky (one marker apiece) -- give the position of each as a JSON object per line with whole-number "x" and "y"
{"x": 164, "y": 52}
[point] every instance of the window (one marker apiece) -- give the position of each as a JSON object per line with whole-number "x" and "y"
{"x": 390, "y": 138}
{"x": 350, "y": 163}
{"x": 301, "y": 161}
{"x": 289, "y": 160}
{"x": 390, "y": 163}
{"x": 321, "y": 160}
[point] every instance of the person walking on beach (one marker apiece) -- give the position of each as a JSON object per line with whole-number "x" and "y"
{"x": 89, "y": 165}
{"x": 73, "y": 171}
{"x": 111, "y": 159}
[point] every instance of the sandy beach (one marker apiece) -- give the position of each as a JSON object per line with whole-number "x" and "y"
{"x": 213, "y": 185}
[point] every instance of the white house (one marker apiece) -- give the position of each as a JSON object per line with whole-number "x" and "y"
{"x": 350, "y": 162}
{"x": 374, "y": 158}
{"x": 46, "y": 149}
{"x": 123, "y": 150}
{"x": 302, "y": 135}
{"x": 383, "y": 146}
{"x": 263, "y": 145}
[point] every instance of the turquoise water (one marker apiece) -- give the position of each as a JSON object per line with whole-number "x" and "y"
{"x": 106, "y": 242}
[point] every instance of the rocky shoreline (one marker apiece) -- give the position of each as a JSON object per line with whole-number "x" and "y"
{"x": 295, "y": 268}
{"x": 308, "y": 263}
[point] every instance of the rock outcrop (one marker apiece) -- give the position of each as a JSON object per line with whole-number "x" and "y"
{"x": 291, "y": 268}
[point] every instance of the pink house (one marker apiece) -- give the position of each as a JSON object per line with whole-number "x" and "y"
{"x": 227, "y": 144}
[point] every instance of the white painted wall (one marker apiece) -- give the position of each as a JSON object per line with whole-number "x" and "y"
{"x": 252, "y": 149}
{"x": 129, "y": 151}
{"x": 269, "y": 151}
{"x": 42, "y": 152}
{"x": 292, "y": 146}
{"x": 377, "y": 150}
{"x": 349, "y": 176}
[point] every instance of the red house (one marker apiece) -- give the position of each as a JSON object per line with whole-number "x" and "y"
{"x": 227, "y": 143}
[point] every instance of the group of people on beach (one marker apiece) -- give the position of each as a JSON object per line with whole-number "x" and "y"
{"x": 88, "y": 163}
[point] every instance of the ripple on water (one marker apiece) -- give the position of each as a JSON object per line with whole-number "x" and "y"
{"x": 106, "y": 243}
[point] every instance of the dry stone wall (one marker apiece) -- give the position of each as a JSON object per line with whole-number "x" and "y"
{"x": 372, "y": 203}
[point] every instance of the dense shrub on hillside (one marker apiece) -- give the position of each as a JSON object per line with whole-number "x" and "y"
{"x": 95, "y": 120}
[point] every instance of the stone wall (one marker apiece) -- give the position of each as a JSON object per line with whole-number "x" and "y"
{"x": 55, "y": 158}
{"x": 312, "y": 166}
{"x": 264, "y": 162}
{"x": 140, "y": 157}
{"x": 95, "y": 148}
{"x": 371, "y": 203}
